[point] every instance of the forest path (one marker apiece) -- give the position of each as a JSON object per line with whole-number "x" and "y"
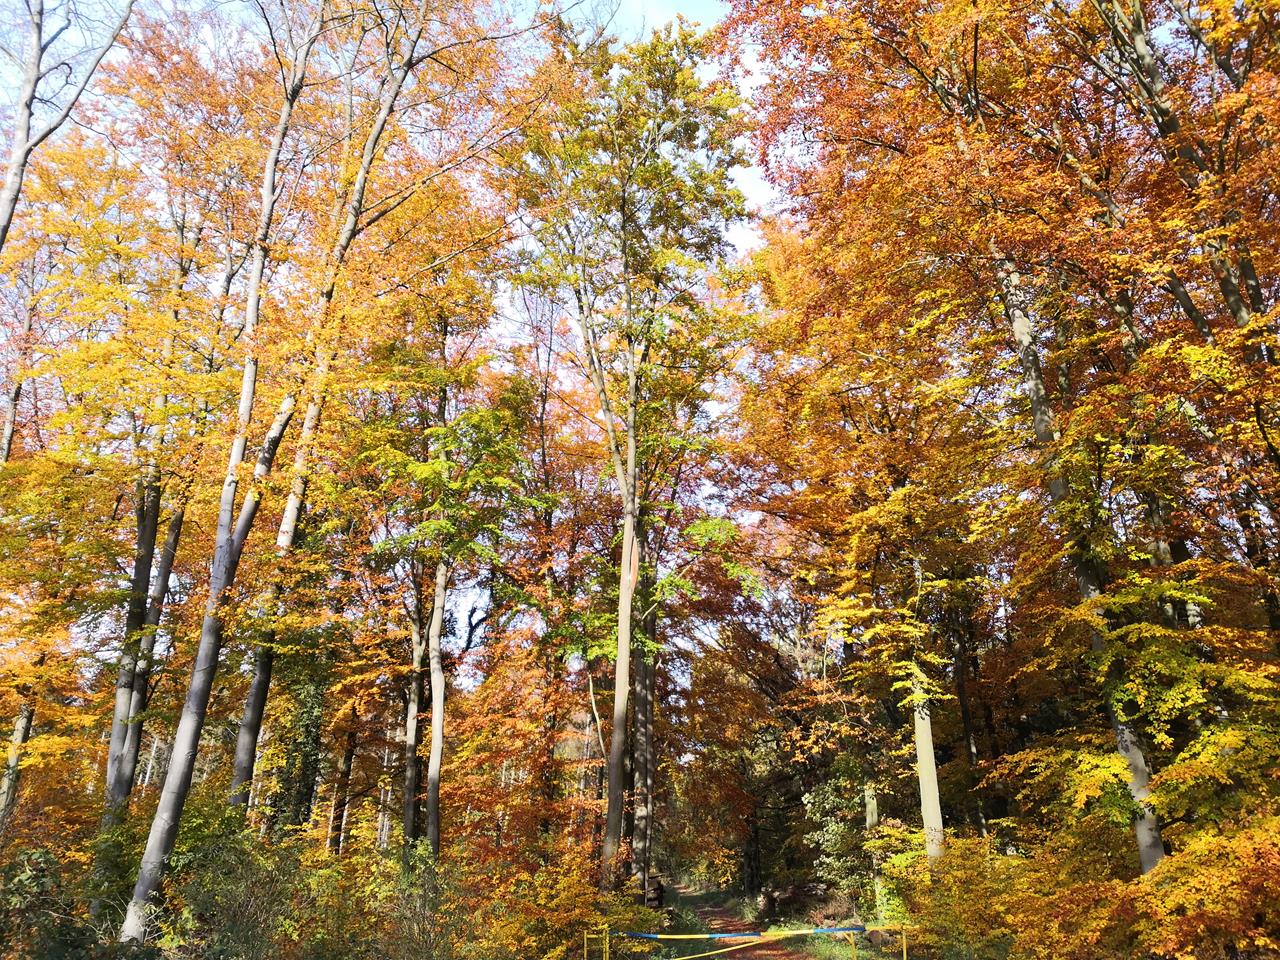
{"x": 721, "y": 919}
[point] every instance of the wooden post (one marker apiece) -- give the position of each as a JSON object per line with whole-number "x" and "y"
{"x": 904, "y": 943}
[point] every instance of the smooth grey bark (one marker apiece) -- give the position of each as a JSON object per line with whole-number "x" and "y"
{"x": 141, "y": 691}
{"x": 38, "y": 63}
{"x": 229, "y": 537}
{"x": 352, "y": 222}
{"x": 871, "y": 821}
{"x": 621, "y": 691}
{"x": 1015, "y": 299}
{"x": 255, "y": 705}
{"x": 147, "y": 529}
{"x": 229, "y": 545}
{"x": 13, "y": 761}
{"x": 342, "y": 790}
{"x": 177, "y": 781}
{"x": 644, "y": 671}
{"x": 14, "y": 393}
{"x": 436, "y": 755}
{"x": 623, "y": 453}
{"x": 410, "y": 816}
{"x": 927, "y": 773}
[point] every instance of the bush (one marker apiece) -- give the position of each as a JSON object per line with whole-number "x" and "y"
{"x": 42, "y": 916}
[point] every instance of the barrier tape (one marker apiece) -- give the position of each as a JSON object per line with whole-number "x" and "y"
{"x": 736, "y": 946}
{"x": 741, "y": 936}
{"x": 754, "y": 939}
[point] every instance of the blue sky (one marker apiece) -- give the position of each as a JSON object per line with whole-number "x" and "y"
{"x": 634, "y": 16}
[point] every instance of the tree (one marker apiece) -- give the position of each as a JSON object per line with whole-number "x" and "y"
{"x": 57, "y": 63}
{"x": 630, "y": 192}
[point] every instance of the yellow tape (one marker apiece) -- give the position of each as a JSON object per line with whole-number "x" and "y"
{"x": 695, "y": 936}
{"x": 768, "y": 937}
{"x": 738, "y": 946}
{"x": 725, "y": 936}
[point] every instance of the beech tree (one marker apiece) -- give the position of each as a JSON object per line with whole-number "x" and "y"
{"x": 631, "y": 193}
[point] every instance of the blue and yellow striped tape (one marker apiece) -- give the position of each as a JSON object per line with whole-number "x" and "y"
{"x": 813, "y": 931}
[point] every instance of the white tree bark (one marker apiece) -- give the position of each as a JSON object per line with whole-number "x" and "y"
{"x": 413, "y": 723}
{"x": 623, "y": 452}
{"x": 927, "y": 773}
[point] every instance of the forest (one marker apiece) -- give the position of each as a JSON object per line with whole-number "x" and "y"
{"x": 481, "y": 478}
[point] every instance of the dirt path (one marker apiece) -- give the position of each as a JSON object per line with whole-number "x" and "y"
{"x": 722, "y": 920}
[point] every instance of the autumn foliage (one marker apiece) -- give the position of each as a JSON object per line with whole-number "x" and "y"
{"x": 423, "y": 531}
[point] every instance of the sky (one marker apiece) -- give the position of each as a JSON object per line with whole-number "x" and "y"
{"x": 635, "y": 16}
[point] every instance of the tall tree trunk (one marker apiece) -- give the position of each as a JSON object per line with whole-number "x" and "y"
{"x": 621, "y": 690}
{"x": 350, "y": 226}
{"x": 413, "y": 724}
{"x": 623, "y": 452}
{"x": 436, "y": 755}
{"x": 927, "y": 773}
{"x": 228, "y": 538}
{"x": 286, "y": 536}
{"x": 255, "y": 707}
{"x": 342, "y": 790}
{"x": 146, "y": 653}
{"x": 1014, "y": 297}
{"x": 643, "y": 771}
{"x": 148, "y": 527}
{"x": 13, "y": 760}
{"x": 871, "y": 809}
